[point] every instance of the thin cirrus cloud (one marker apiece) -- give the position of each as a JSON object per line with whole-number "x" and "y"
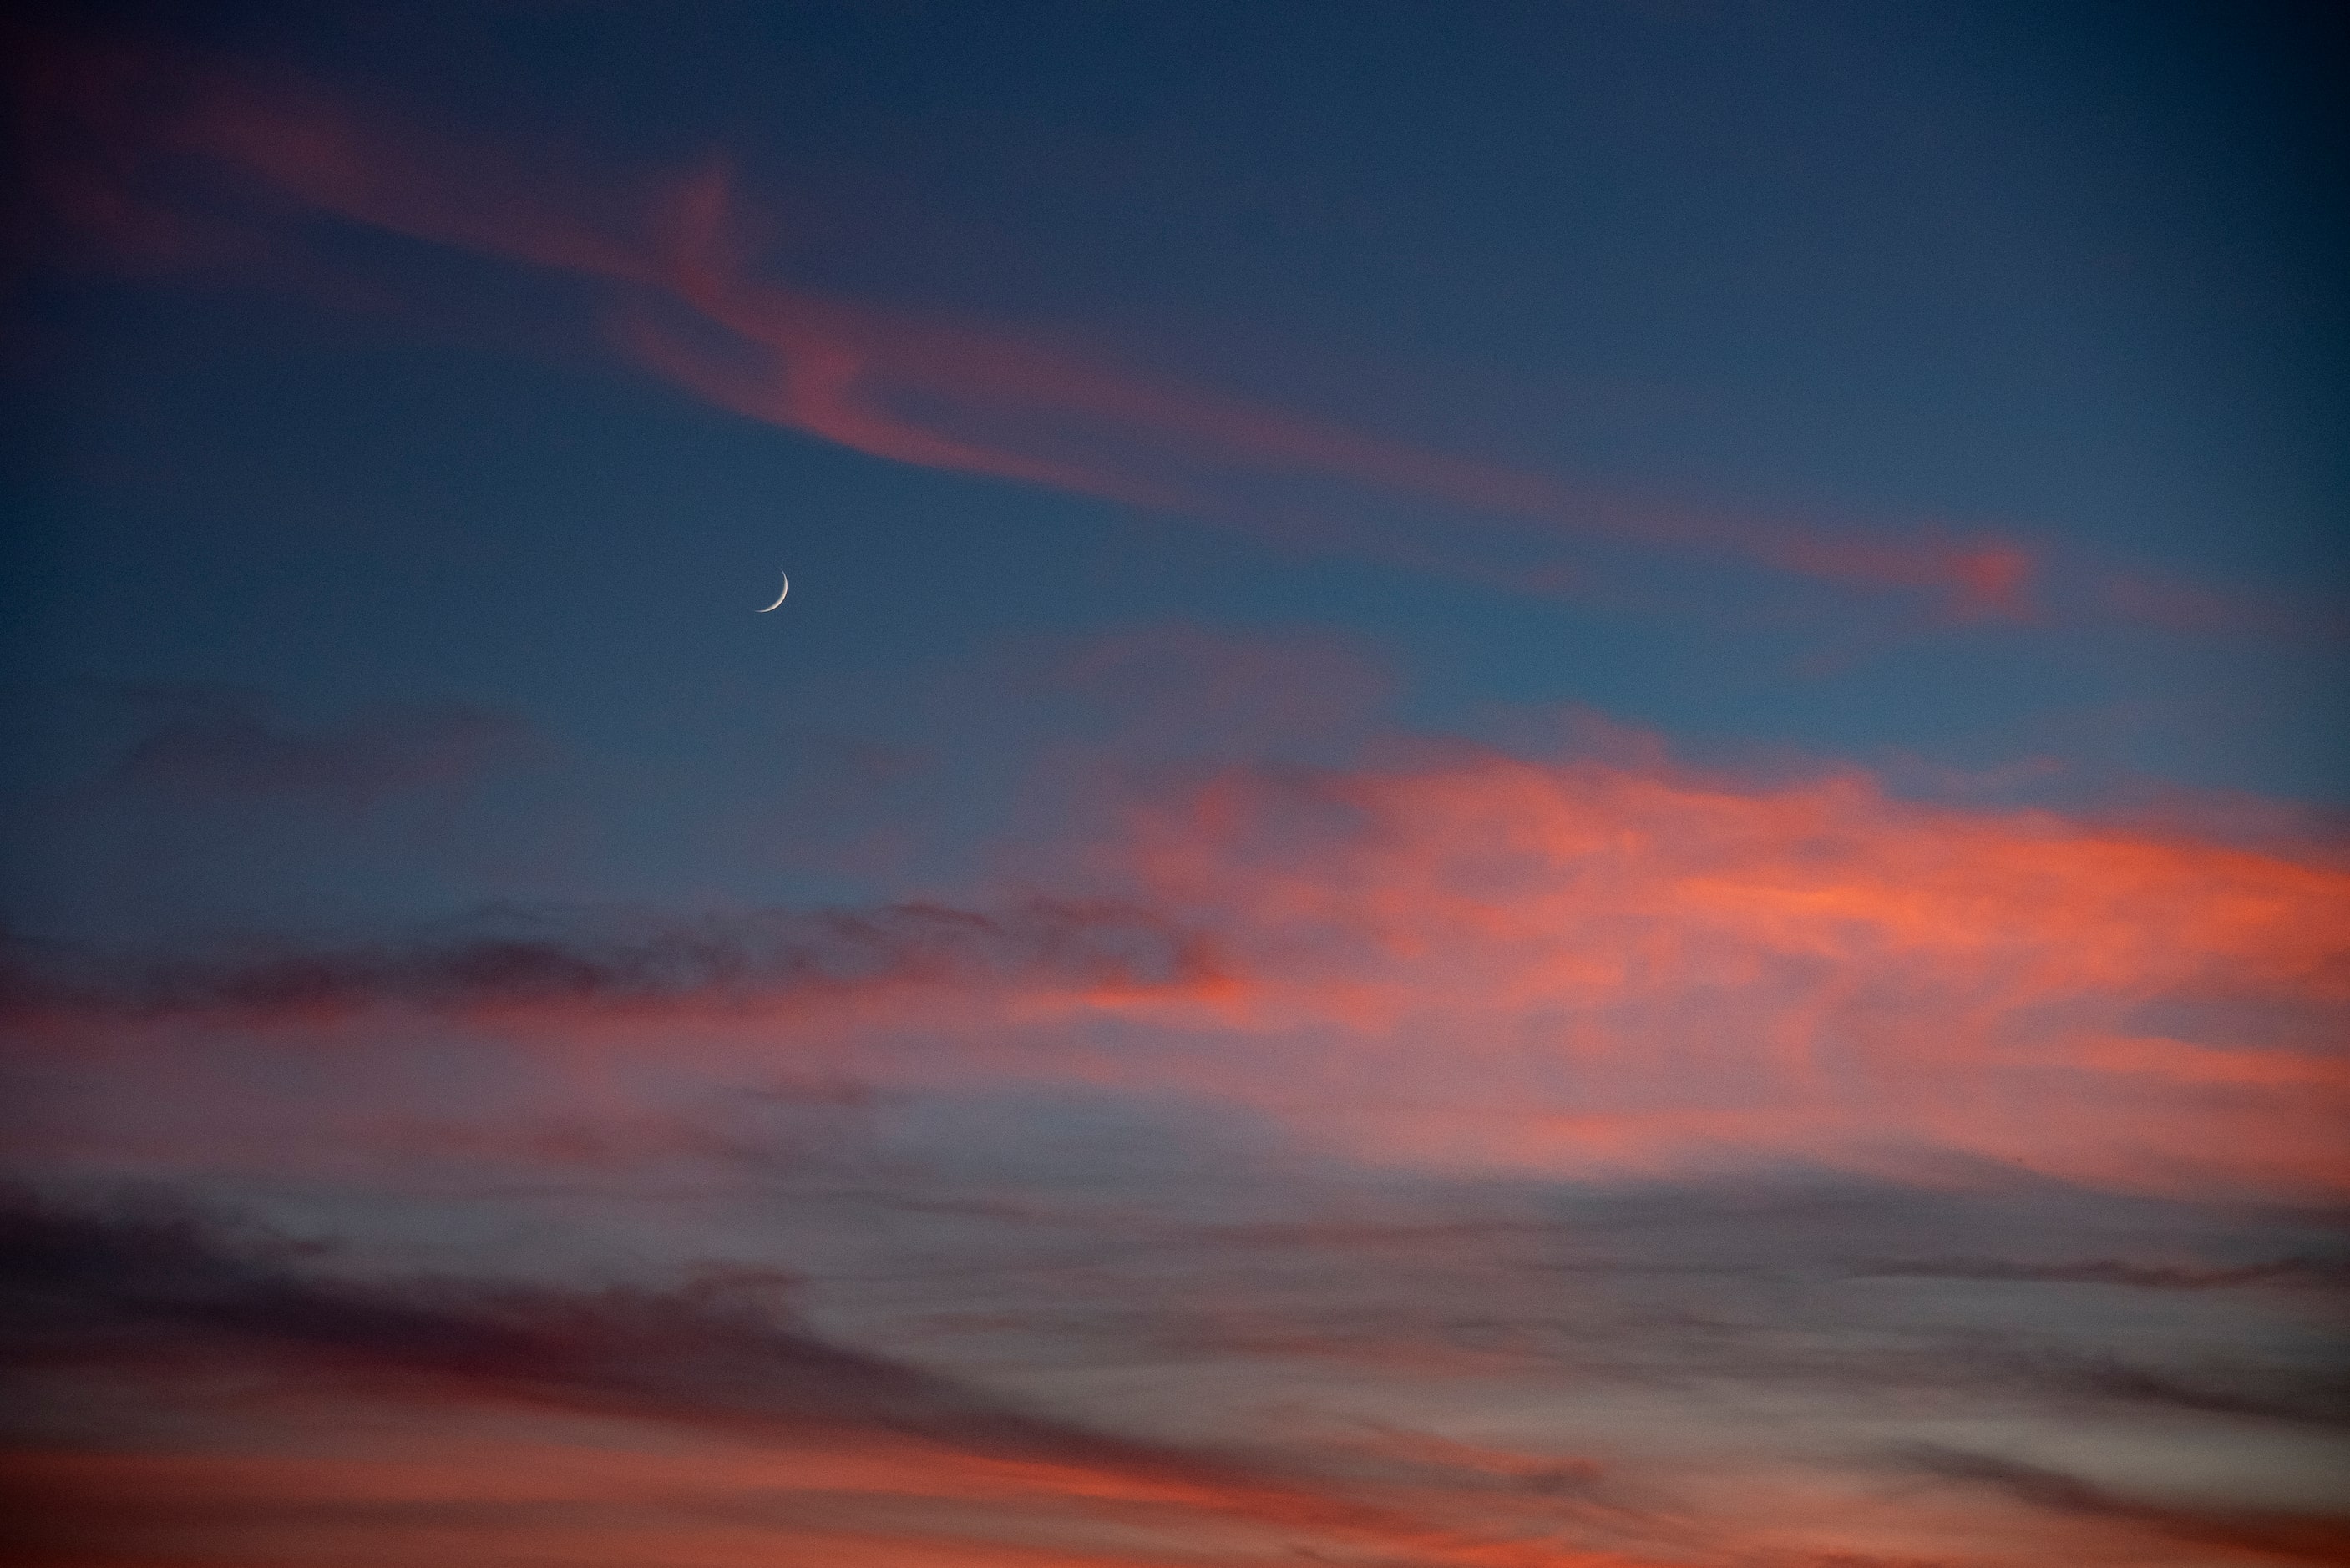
{"x": 164, "y": 164}
{"x": 1468, "y": 957}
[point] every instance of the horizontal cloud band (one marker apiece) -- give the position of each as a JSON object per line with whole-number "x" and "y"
{"x": 1480, "y": 957}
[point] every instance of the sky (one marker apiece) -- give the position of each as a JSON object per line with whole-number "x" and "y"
{"x": 1545, "y": 786}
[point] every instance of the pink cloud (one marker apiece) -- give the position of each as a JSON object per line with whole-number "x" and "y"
{"x": 895, "y": 385}
{"x": 1468, "y": 958}
{"x": 1582, "y": 961}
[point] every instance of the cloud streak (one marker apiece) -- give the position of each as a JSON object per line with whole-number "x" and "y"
{"x": 2281, "y": 1272}
{"x": 141, "y": 153}
{"x": 718, "y": 965}
{"x": 148, "y": 1290}
{"x": 2294, "y": 1537}
{"x": 216, "y": 1324}
{"x": 204, "y": 742}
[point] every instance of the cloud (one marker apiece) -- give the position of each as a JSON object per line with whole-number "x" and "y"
{"x": 209, "y": 741}
{"x": 620, "y": 966}
{"x": 2298, "y": 1537}
{"x": 1460, "y": 957}
{"x": 2177, "y": 604}
{"x": 1582, "y": 960}
{"x": 209, "y": 1323}
{"x": 2321, "y": 1400}
{"x": 156, "y": 1290}
{"x": 2309, "y": 1271}
{"x": 1644, "y": 1317}
{"x": 173, "y": 162}
{"x": 1180, "y": 689}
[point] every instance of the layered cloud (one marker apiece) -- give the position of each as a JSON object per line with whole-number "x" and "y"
{"x": 1456, "y": 1157}
{"x": 800, "y": 1444}
{"x": 1278, "y": 1140}
{"x": 2274, "y": 1535}
{"x": 1435, "y": 1376}
{"x": 1606, "y": 960}
{"x": 1468, "y": 957}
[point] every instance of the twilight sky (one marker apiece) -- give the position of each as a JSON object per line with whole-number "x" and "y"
{"x": 1548, "y": 786}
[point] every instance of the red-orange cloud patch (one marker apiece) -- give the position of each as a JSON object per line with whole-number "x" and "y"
{"x": 1577, "y": 967}
{"x": 1562, "y": 963}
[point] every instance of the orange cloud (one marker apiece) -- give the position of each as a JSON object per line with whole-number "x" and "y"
{"x": 1630, "y": 963}
{"x": 605, "y": 1498}
{"x": 1578, "y": 966}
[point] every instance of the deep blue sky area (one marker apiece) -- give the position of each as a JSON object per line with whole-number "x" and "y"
{"x": 2065, "y": 277}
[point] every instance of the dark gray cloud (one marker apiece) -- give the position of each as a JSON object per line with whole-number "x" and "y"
{"x": 197, "y": 1319}
{"x": 2316, "y": 1272}
{"x": 2256, "y": 1393}
{"x": 203, "y": 741}
{"x": 2301, "y": 1537}
{"x": 1741, "y": 1287}
{"x": 608, "y": 958}
{"x": 160, "y": 1292}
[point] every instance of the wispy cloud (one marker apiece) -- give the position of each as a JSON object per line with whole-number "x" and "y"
{"x": 227, "y": 1328}
{"x": 621, "y": 966}
{"x": 203, "y": 741}
{"x": 2295, "y": 1537}
{"x": 2181, "y": 604}
{"x": 167, "y": 161}
{"x": 2281, "y": 1271}
{"x": 153, "y": 1290}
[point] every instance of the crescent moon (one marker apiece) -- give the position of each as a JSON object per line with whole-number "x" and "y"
{"x": 780, "y": 596}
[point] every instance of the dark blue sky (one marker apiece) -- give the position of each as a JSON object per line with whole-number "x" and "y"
{"x": 1554, "y": 784}
{"x": 2066, "y": 279}
{"x": 2062, "y": 279}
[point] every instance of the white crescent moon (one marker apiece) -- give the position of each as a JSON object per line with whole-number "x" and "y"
{"x": 780, "y": 596}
